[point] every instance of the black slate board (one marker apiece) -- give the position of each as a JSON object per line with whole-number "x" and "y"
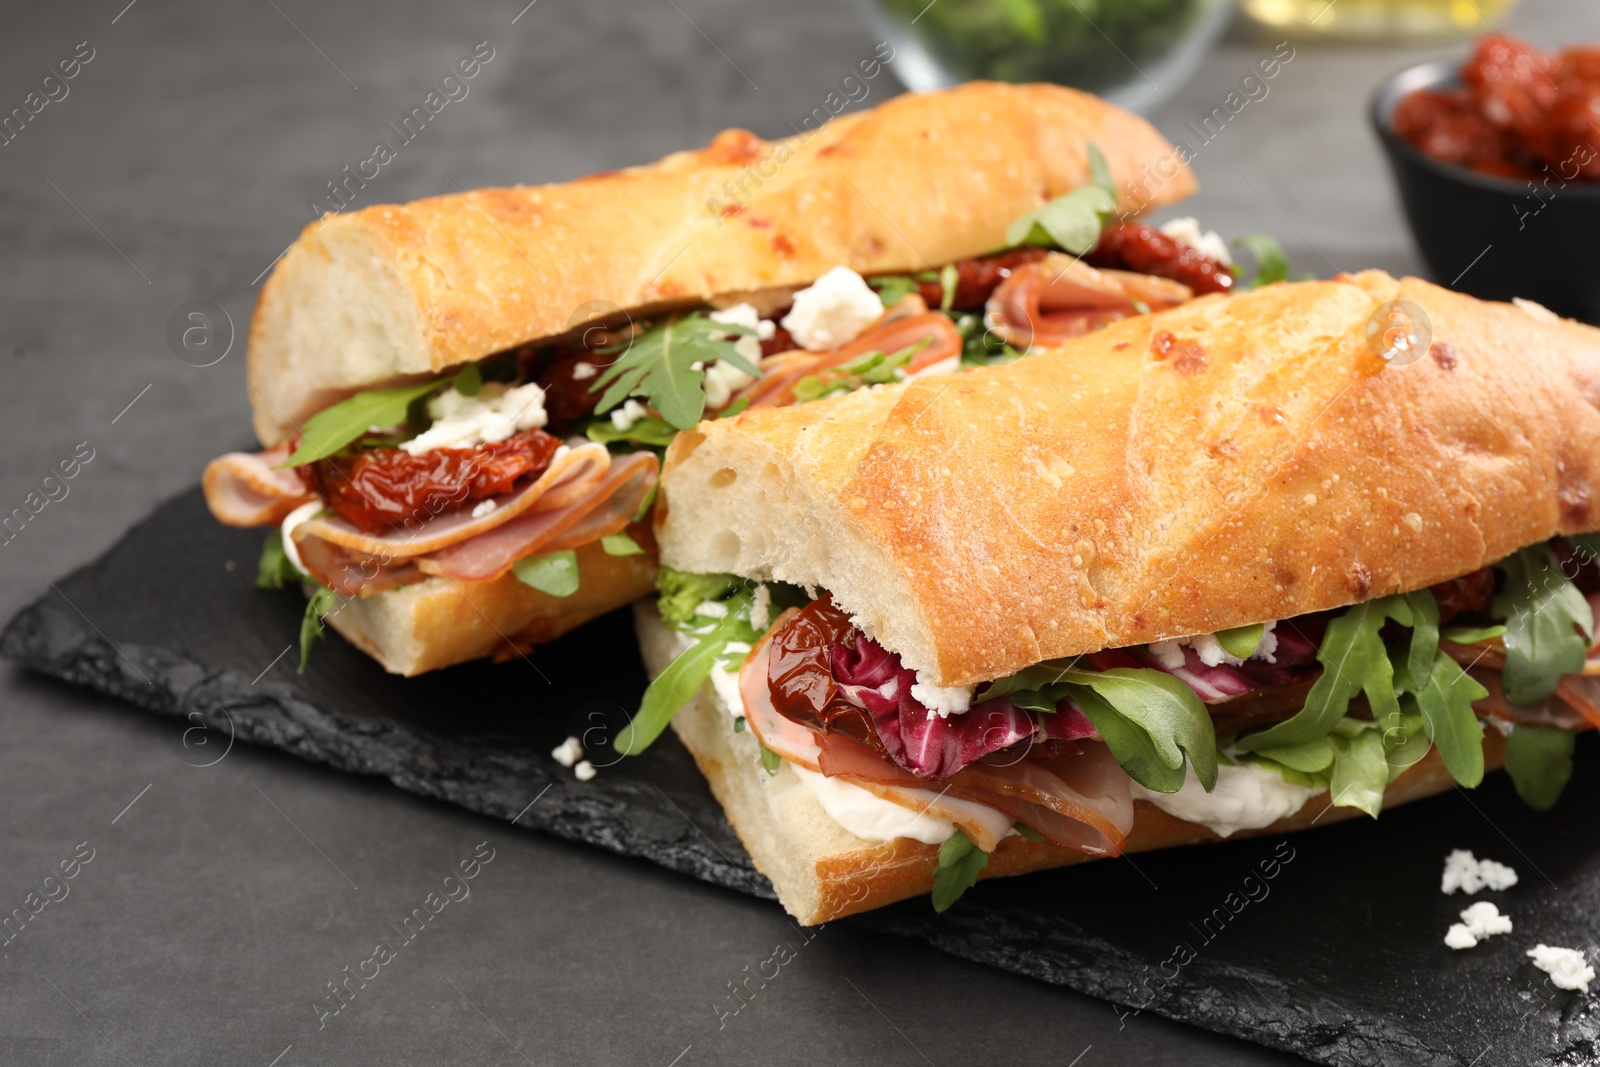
{"x": 1337, "y": 957}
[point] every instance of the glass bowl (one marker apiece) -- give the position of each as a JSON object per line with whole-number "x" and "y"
{"x": 1134, "y": 53}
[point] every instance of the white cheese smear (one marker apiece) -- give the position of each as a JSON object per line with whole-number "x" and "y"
{"x": 1246, "y": 798}
{"x": 494, "y": 414}
{"x": 833, "y": 311}
{"x": 869, "y": 816}
{"x": 290, "y": 521}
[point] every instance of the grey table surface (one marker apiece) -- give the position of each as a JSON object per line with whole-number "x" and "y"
{"x": 208, "y": 922}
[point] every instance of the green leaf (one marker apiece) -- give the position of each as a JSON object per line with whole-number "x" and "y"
{"x": 949, "y": 277}
{"x": 682, "y": 593}
{"x": 893, "y": 288}
{"x": 467, "y": 381}
{"x": 1354, "y": 660}
{"x": 734, "y": 408}
{"x": 1471, "y": 636}
{"x": 1588, "y": 544}
{"x": 331, "y": 429}
{"x": 677, "y": 685}
{"x": 1131, "y": 744}
{"x": 659, "y": 366}
{"x": 555, "y": 573}
{"x": 1449, "y": 721}
{"x": 1027, "y": 831}
{"x": 620, "y": 544}
{"x": 959, "y": 863}
{"x": 648, "y": 502}
{"x": 1100, "y": 170}
{"x": 317, "y": 608}
{"x": 1539, "y": 760}
{"x": 770, "y": 759}
{"x": 1071, "y": 223}
{"x": 1421, "y": 656}
{"x": 1024, "y": 18}
{"x": 1405, "y": 738}
{"x": 1309, "y": 758}
{"x": 1360, "y": 771}
{"x": 1272, "y": 265}
{"x": 275, "y": 570}
{"x": 1164, "y": 708}
{"x": 738, "y": 726}
{"x": 1548, "y": 624}
{"x": 649, "y": 431}
{"x": 1241, "y": 641}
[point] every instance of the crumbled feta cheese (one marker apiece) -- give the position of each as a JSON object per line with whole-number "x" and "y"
{"x": 833, "y": 311}
{"x": 290, "y": 521}
{"x": 1210, "y": 651}
{"x": 582, "y": 372}
{"x": 943, "y": 701}
{"x": 494, "y": 414}
{"x": 567, "y": 752}
{"x": 1206, "y": 242}
{"x": 484, "y": 507}
{"x": 1536, "y": 310}
{"x": 585, "y": 771}
{"x": 761, "y": 608}
{"x": 713, "y": 609}
{"x": 1565, "y": 966}
{"x": 629, "y": 413}
{"x": 1464, "y": 871}
{"x": 1459, "y": 937}
{"x": 1481, "y": 921}
{"x": 747, "y": 345}
{"x": 723, "y": 379}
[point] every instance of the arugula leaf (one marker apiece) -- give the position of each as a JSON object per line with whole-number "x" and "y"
{"x": 1071, "y": 223}
{"x": 647, "y": 503}
{"x": 1309, "y": 758}
{"x": 1100, "y": 170}
{"x": 555, "y": 573}
{"x": 1421, "y": 657}
{"x": 1539, "y": 761}
{"x": 1131, "y": 745}
{"x": 869, "y": 368}
{"x": 275, "y": 569}
{"x": 677, "y": 685}
{"x": 620, "y": 544}
{"x": 1471, "y": 636}
{"x": 959, "y": 863}
{"x": 1360, "y": 771}
{"x": 770, "y": 759}
{"x": 1449, "y": 721}
{"x": 1027, "y": 831}
{"x": 333, "y": 428}
{"x": 1354, "y": 660}
{"x": 1166, "y": 709}
{"x": 734, "y": 408}
{"x": 949, "y": 278}
{"x": 659, "y": 366}
{"x": 682, "y": 593}
{"x": 1272, "y": 265}
{"x": 1588, "y": 544}
{"x": 1241, "y": 641}
{"x": 1549, "y": 624}
{"x": 649, "y": 431}
{"x": 893, "y": 288}
{"x": 317, "y": 608}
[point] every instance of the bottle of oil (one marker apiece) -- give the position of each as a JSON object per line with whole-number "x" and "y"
{"x": 1379, "y": 19}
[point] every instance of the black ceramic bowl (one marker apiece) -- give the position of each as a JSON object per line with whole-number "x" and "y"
{"x": 1493, "y": 237}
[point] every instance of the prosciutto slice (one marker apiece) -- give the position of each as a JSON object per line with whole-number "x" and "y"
{"x": 608, "y": 506}
{"x": 1058, "y": 298}
{"x": 890, "y": 334}
{"x": 246, "y": 489}
{"x": 574, "y": 473}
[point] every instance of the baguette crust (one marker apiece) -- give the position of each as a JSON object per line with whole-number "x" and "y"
{"x": 1101, "y": 495}
{"x": 393, "y": 291}
{"x": 822, "y": 872}
{"x": 440, "y": 621}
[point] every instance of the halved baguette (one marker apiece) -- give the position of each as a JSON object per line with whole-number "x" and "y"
{"x": 823, "y": 872}
{"x": 395, "y": 291}
{"x": 1227, "y": 462}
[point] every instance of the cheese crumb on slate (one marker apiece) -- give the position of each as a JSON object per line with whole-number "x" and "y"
{"x": 1565, "y": 966}
{"x": 585, "y": 771}
{"x": 568, "y": 752}
{"x": 1464, "y": 871}
{"x": 1479, "y": 922}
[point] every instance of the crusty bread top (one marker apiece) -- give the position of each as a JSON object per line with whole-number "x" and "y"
{"x": 1099, "y": 496}
{"x": 375, "y": 295}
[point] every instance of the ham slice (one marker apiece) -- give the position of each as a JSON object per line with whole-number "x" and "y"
{"x": 245, "y": 489}
{"x": 570, "y": 477}
{"x": 349, "y": 574}
{"x": 607, "y": 507}
{"x": 1058, "y": 298}
{"x": 888, "y": 335}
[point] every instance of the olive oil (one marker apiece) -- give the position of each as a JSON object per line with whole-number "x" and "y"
{"x": 1379, "y": 19}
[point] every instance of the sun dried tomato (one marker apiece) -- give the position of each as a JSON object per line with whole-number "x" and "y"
{"x": 1145, "y": 249}
{"x": 800, "y": 672}
{"x": 378, "y": 489}
{"x": 977, "y": 279}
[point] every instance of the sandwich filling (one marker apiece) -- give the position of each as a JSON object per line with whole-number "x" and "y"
{"x": 1233, "y": 730}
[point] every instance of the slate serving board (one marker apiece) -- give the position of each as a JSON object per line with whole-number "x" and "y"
{"x": 1327, "y": 944}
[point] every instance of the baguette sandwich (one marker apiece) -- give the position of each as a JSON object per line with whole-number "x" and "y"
{"x": 462, "y": 401}
{"x": 1236, "y": 567}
